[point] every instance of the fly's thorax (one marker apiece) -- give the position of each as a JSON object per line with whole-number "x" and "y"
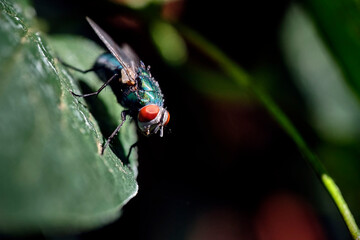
{"x": 152, "y": 118}
{"x": 149, "y": 90}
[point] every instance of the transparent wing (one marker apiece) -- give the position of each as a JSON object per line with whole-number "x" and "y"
{"x": 125, "y": 55}
{"x": 131, "y": 58}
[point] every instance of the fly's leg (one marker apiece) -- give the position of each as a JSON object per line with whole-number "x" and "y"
{"x": 123, "y": 119}
{"x": 130, "y": 150}
{"x": 98, "y": 91}
{"x": 86, "y": 71}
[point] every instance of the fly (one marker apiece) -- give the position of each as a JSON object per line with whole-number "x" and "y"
{"x": 133, "y": 85}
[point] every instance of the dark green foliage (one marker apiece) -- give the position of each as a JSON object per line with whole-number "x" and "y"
{"x": 52, "y": 177}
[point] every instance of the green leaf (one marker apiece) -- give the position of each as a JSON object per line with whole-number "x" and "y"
{"x": 52, "y": 177}
{"x": 331, "y": 103}
{"x": 169, "y": 42}
{"x": 338, "y": 22}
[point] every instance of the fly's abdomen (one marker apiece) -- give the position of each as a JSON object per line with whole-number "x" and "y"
{"x": 106, "y": 66}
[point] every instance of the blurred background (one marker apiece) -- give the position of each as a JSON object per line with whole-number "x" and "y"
{"x": 225, "y": 169}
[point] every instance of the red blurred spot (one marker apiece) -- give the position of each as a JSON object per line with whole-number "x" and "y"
{"x": 172, "y": 10}
{"x": 220, "y": 224}
{"x": 284, "y": 217}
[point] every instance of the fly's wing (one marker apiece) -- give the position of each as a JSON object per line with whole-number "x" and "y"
{"x": 132, "y": 60}
{"x": 126, "y": 57}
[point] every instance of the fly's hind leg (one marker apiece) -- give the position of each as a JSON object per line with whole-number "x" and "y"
{"x": 98, "y": 91}
{"x": 86, "y": 71}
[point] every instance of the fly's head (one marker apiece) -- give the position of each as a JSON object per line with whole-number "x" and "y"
{"x": 152, "y": 118}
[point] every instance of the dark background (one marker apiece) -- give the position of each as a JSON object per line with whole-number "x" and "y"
{"x": 225, "y": 169}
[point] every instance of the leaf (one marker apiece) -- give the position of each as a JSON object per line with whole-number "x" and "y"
{"x": 338, "y": 22}
{"x": 168, "y": 42}
{"x": 332, "y": 105}
{"x": 52, "y": 177}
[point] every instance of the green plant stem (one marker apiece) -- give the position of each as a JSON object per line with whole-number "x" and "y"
{"x": 243, "y": 80}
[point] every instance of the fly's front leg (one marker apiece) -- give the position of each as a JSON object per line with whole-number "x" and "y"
{"x": 123, "y": 119}
{"x": 99, "y": 90}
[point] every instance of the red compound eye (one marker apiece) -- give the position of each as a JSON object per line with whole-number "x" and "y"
{"x": 148, "y": 113}
{"x": 168, "y": 119}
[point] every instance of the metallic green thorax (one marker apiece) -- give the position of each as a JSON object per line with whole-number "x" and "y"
{"x": 150, "y": 91}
